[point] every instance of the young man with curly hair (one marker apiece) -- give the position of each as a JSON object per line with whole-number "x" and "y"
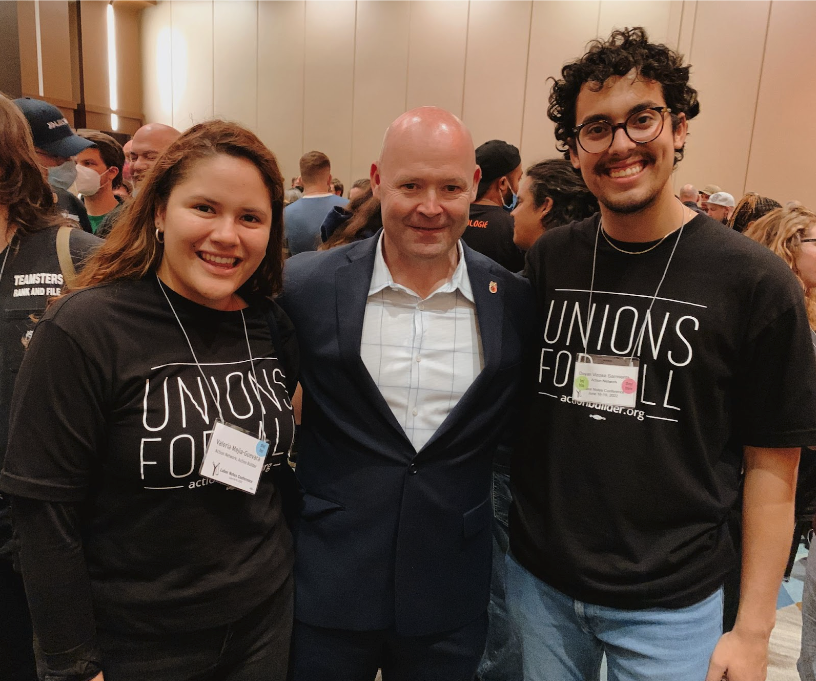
{"x": 673, "y": 367}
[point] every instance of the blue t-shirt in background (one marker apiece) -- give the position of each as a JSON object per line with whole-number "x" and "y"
{"x": 303, "y": 218}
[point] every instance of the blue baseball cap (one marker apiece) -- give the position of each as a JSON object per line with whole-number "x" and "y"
{"x": 50, "y": 129}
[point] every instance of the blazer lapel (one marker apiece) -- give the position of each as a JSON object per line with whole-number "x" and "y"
{"x": 488, "y": 295}
{"x": 352, "y": 282}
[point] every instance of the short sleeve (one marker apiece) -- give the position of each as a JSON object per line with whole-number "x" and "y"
{"x": 57, "y": 420}
{"x": 776, "y": 389}
{"x": 82, "y": 245}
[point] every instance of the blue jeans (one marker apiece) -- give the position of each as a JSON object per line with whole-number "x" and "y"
{"x": 502, "y": 656}
{"x": 807, "y": 658}
{"x": 565, "y": 639}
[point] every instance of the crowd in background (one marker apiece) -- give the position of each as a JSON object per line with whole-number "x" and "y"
{"x": 169, "y": 340}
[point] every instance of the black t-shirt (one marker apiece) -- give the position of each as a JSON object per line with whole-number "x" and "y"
{"x": 112, "y": 413}
{"x": 627, "y": 507}
{"x": 31, "y": 275}
{"x": 490, "y": 232}
{"x": 73, "y": 208}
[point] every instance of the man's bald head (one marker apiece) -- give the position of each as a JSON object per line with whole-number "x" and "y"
{"x": 147, "y": 145}
{"x": 426, "y": 178}
{"x": 688, "y": 192}
{"x": 431, "y": 125}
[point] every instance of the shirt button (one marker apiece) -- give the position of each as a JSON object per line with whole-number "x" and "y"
{"x": 421, "y": 307}
{"x": 419, "y": 359}
{"x": 412, "y": 469}
{"x": 415, "y": 412}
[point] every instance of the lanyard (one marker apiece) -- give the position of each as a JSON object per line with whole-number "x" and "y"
{"x": 5, "y": 257}
{"x": 654, "y": 297}
{"x": 262, "y": 429}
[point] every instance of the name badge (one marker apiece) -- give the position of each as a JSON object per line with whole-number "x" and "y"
{"x": 234, "y": 457}
{"x": 602, "y": 379}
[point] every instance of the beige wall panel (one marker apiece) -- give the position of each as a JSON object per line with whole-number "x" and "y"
{"x": 717, "y": 148}
{"x": 192, "y": 63}
{"x": 235, "y": 49}
{"x": 781, "y": 161}
{"x": 129, "y": 59}
{"x": 436, "y": 54}
{"x": 68, "y": 113}
{"x": 658, "y": 18}
{"x": 560, "y": 31}
{"x": 280, "y": 81}
{"x": 380, "y": 79}
{"x": 329, "y": 81}
{"x": 157, "y": 63}
{"x": 495, "y": 70}
{"x": 29, "y": 71}
{"x": 95, "y": 54}
{"x": 98, "y": 121}
{"x": 688, "y": 15}
{"x": 56, "y": 50}
{"x": 73, "y": 41}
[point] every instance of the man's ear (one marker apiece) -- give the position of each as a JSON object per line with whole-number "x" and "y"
{"x": 573, "y": 153}
{"x": 477, "y": 177}
{"x": 545, "y": 208}
{"x": 680, "y": 131}
{"x": 374, "y": 176}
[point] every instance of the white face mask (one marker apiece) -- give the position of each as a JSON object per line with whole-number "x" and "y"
{"x": 88, "y": 181}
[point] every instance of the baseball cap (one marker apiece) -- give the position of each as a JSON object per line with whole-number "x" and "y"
{"x": 496, "y": 159}
{"x": 710, "y": 189}
{"x": 50, "y": 129}
{"x": 721, "y": 199}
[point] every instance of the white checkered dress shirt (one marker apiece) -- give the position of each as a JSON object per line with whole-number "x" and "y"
{"x": 422, "y": 354}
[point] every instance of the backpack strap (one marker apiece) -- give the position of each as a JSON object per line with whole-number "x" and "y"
{"x": 66, "y": 263}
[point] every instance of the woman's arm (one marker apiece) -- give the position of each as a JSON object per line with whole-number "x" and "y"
{"x": 58, "y": 588}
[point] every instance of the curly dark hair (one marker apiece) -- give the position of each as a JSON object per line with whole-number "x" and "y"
{"x": 556, "y": 179}
{"x": 623, "y": 51}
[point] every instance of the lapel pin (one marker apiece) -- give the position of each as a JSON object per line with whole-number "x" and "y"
{"x": 493, "y": 288}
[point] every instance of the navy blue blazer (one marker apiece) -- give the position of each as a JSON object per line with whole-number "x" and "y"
{"x": 388, "y": 536}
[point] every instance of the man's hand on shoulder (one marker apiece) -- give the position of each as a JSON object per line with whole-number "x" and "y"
{"x": 739, "y": 656}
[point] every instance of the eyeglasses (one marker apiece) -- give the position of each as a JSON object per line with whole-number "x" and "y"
{"x": 805, "y": 241}
{"x": 641, "y": 127}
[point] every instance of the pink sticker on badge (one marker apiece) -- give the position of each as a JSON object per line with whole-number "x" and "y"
{"x": 628, "y": 386}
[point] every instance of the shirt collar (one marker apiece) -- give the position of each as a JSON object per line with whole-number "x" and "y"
{"x": 381, "y": 276}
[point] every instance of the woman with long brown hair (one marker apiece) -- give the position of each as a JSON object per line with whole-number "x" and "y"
{"x": 30, "y": 273}
{"x": 152, "y": 407}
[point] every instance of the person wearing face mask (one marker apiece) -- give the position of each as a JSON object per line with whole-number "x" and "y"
{"x": 34, "y": 243}
{"x": 56, "y": 144}
{"x": 490, "y": 225}
{"x": 101, "y": 165}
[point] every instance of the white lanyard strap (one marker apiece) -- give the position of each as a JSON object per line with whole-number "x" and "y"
{"x": 257, "y": 391}
{"x": 262, "y": 430}
{"x": 636, "y": 344}
{"x": 190, "y": 345}
{"x": 5, "y": 257}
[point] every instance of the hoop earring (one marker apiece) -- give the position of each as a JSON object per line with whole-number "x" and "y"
{"x": 159, "y": 236}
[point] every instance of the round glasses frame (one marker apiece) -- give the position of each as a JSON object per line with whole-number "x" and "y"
{"x": 614, "y": 127}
